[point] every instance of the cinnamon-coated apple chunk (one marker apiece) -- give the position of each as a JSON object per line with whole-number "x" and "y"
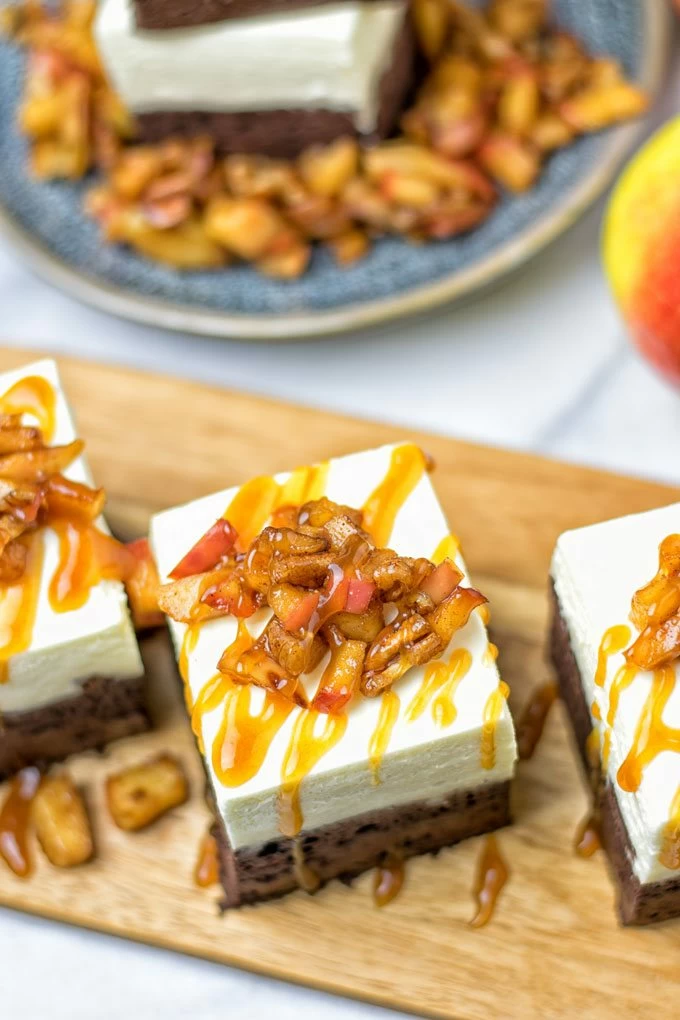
{"x": 141, "y": 794}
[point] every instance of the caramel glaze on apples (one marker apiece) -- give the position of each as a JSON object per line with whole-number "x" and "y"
{"x": 15, "y": 817}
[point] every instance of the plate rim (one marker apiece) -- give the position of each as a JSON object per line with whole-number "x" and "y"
{"x": 299, "y": 326}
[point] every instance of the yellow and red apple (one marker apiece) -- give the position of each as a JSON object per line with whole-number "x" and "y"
{"x": 641, "y": 249}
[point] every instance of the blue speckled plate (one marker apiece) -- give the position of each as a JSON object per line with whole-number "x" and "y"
{"x": 47, "y": 225}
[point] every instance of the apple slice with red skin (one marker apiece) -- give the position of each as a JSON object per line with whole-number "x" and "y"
{"x": 218, "y": 542}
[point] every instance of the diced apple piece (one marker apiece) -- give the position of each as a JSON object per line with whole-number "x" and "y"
{"x": 325, "y": 170}
{"x": 208, "y": 552}
{"x": 443, "y": 580}
{"x": 38, "y": 465}
{"x": 341, "y": 678}
{"x": 454, "y": 612}
{"x": 142, "y": 587}
{"x": 66, "y": 498}
{"x": 181, "y": 600}
{"x": 657, "y": 645}
{"x": 61, "y": 823}
{"x": 141, "y": 794}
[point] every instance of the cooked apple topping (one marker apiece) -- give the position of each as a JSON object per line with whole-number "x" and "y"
{"x": 35, "y": 493}
{"x": 655, "y": 611}
{"x": 330, "y": 589}
{"x": 504, "y": 91}
{"x": 61, "y": 822}
{"x": 141, "y": 794}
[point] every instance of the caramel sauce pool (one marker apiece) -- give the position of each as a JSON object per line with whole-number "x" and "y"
{"x": 588, "y": 839}
{"x": 15, "y": 818}
{"x": 492, "y": 874}
{"x": 388, "y": 880}
{"x": 207, "y": 871}
{"x": 532, "y": 721}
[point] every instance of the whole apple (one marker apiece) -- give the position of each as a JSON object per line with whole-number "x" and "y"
{"x": 641, "y": 249}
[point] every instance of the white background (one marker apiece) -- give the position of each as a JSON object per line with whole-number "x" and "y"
{"x": 541, "y": 364}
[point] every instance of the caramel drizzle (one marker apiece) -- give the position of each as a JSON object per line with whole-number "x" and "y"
{"x": 652, "y": 735}
{"x": 407, "y": 466}
{"x": 18, "y": 607}
{"x": 380, "y": 738}
{"x": 613, "y": 641}
{"x": 622, "y": 679}
{"x": 15, "y": 818}
{"x": 492, "y": 713}
{"x": 257, "y": 500}
{"x": 447, "y": 549}
{"x": 87, "y": 556}
{"x": 244, "y": 737}
{"x": 35, "y": 396}
{"x": 490, "y": 654}
{"x": 588, "y": 837}
{"x": 669, "y": 854}
{"x": 492, "y": 874}
{"x": 207, "y": 870}
{"x": 593, "y": 744}
{"x": 388, "y": 880}
{"x": 532, "y": 721}
{"x": 305, "y": 749}
{"x": 444, "y": 711}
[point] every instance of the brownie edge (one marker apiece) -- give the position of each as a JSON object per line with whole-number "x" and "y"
{"x": 345, "y": 849}
{"x": 163, "y": 14}
{"x": 106, "y": 710}
{"x": 638, "y": 904}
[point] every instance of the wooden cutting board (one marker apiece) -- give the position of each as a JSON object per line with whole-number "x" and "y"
{"x": 553, "y": 947}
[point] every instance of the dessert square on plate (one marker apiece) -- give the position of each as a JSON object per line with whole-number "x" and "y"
{"x": 313, "y": 778}
{"x": 71, "y": 674}
{"x": 615, "y": 643}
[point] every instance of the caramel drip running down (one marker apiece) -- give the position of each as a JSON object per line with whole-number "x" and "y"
{"x": 484, "y": 614}
{"x": 492, "y": 874}
{"x": 407, "y": 467}
{"x": 388, "y": 880}
{"x": 18, "y": 606}
{"x": 380, "y": 738}
{"x": 532, "y": 721}
{"x": 492, "y": 713}
{"x": 257, "y": 500}
{"x": 87, "y": 556}
{"x": 207, "y": 871}
{"x": 305, "y": 876}
{"x": 622, "y": 679}
{"x": 444, "y": 709}
{"x": 595, "y": 711}
{"x": 35, "y": 396}
{"x": 588, "y": 839}
{"x": 244, "y": 737}
{"x": 613, "y": 641}
{"x": 217, "y": 689}
{"x": 669, "y": 854}
{"x": 652, "y": 735}
{"x": 490, "y": 654}
{"x": 593, "y": 748}
{"x": 440, "y": 678}
{"x": 447, "y": 549}
{"x": 15, "y": 818}
{"x": 305, "y": 749}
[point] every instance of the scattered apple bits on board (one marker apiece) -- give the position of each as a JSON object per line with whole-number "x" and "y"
{"x": 503, "y": 91}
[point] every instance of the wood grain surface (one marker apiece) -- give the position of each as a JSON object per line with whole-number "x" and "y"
{"x": 553, "y": 948}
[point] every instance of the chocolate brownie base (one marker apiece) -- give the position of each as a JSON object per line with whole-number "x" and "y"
{"x": 106, "y": 710}
{"x": 285, "y": 133}
{"x": 638, "y": 903}
{"x": 161, "y": 14}
{"x": 345, "y": 849}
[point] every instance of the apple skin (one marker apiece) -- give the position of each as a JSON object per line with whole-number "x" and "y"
{"x": 641, "y": 249}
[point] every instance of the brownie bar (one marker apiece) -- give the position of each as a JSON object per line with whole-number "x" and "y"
{"x": 162, "y": 14}
{"x": 106, "y": 710}
{"x": 638, "y": 903}
{"x": 345, "y": 849}
{"x": 285, "y": 133}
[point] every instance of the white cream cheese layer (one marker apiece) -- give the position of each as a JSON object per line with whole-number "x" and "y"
{"x": 596, "y": 571}
{"x": 66, "y": 648}
{"x": 331, "y": 57}
{"x": 422, "y": 760}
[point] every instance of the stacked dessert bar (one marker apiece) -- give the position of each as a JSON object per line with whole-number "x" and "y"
{"x": 71, "y": 676}
{"x": 337, "y": 669}
{"x": 259, "y": 76}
